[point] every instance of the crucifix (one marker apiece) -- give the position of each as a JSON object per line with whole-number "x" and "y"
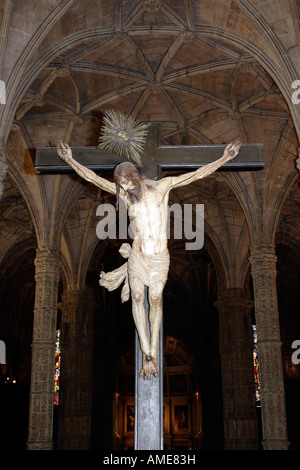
{"x": 146, "y": 197}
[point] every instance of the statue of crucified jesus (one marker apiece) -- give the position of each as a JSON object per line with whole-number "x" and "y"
{"x": 148, "y": 258}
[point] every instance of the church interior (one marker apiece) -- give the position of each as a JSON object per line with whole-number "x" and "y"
{"x": 210, "y": 72}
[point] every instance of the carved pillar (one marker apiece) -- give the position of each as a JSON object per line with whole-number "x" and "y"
{"x": 76, "y": 370}
{"x": 236, "y": 344}
{"x": 263, "y": 268}
{"x": 47, "y": 269}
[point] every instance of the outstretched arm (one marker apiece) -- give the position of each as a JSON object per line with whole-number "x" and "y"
{"x": 65, "y": 153}
{"x": 230, "y": 152}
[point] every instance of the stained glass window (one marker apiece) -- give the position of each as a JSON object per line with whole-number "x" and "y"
{"x": 57, "y": 368}
{"x": 256, "y": 366}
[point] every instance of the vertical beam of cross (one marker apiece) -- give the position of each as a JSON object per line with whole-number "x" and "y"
{"x": 148, "y": 421}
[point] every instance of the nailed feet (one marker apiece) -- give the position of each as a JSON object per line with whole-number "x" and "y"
{"x": 148, "y": 370}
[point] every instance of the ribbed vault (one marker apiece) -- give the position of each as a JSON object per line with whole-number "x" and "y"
{"x": 158, "y": 62}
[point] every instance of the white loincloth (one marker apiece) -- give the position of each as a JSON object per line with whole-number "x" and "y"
{"x": 147, "y": 268}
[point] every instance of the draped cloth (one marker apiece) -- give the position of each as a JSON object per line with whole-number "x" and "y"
{"x": 147, "y": 268}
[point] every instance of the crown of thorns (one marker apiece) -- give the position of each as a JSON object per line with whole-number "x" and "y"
{"x": 123, "y": 135}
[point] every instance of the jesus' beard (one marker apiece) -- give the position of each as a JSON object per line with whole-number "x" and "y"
{"x": 135, "y": 194}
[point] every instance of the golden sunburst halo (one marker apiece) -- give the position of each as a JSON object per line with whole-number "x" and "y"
{"x": 122, "y": 135}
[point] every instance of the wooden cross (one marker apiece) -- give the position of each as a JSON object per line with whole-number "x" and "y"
{"x": 148, "y": 432}
{"x": 155, "y": 157}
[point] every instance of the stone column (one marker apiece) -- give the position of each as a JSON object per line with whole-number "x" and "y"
{"x": 236, "y": 344}
{"x": 75, "y": 408}
{"x": 47, "y": 270}
{"x": 263, "y": 268}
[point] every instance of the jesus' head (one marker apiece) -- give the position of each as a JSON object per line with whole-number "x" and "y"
{"x": 128, "y": 178}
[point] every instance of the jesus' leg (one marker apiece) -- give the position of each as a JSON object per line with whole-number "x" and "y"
{"x": 155, "y": 318}
{"x": 139, "y": 316}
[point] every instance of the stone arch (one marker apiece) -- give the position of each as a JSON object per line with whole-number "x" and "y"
{"x": 16, "y": 251}
{"x": 283, "y": 78}
{"x": 205, "y": 31}
{"x": 28, "y": 53}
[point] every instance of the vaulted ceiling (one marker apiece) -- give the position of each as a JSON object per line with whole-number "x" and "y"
{"x": 201, "y": 69}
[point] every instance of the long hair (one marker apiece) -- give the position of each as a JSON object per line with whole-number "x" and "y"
{"x": 129, "y": 171}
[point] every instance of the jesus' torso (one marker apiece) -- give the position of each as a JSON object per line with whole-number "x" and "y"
{"x": 148, "y": 218}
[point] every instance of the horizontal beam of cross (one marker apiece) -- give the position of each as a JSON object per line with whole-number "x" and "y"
{"x": 155, "y": 157}
{"x": 249, "y": 158}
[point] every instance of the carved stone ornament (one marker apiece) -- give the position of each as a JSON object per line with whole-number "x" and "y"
{"x": 152, "y": 6}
